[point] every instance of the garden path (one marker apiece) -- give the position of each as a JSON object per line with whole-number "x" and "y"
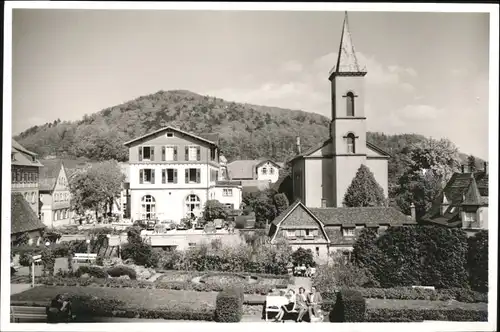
{"x": 301, "y": 282}
{"x": 155, "y": 276}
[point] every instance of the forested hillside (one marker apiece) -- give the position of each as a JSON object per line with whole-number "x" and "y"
{"x": 246, "y": 131}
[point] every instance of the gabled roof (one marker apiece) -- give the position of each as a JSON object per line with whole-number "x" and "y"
{"x": 197, "y": 137}
{"x": 368, "y": 216}
{"x": 292, "y": 207}
{"x": 212, "y": 137}
{"x": 377, "y": 149}
{"x": 347, "y": 61}
{"x": 49, "y": 174}
{"x": 245, "y": 169}
{"x": 23, "y": 157}
{"x": 23, "y": 218}
{"x": 461, "y": 189}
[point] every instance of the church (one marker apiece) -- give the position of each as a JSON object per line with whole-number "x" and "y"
{"x": 322, "y": 175}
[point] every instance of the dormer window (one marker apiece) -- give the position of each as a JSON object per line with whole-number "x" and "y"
{"x": 348, "y": 231}
{"x": 13, "y": 157}
{"x": 264, "y": 170}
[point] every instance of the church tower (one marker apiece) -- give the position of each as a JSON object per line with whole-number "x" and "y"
{"x": 348, "y": 125}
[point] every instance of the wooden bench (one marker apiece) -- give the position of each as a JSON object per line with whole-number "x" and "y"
{"x": 29, "y": 313}
{"x": 424, "y": 287}
{"x": 274, "y": 304}
{"x": 85, "y": 257}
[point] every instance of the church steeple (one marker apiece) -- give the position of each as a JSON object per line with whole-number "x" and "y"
{"x": 347, "y": 61}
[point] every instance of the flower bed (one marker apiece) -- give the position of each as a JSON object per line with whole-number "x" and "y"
{"x": 418, "y": 315}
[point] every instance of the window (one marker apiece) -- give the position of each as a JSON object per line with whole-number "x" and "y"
{"x": 36, "y": 177}
{"x": 146, "y": 153}
{"x": 147, "y": 175}
{"x": 33, "y": 201}
{"x": 213, "y": 175}
{"x": 213, "y": 154}
{"x": 169, "y": 153}
{"x": 227, "y": 192}
{"x": 192, "y": 153}
{"x": 300, "y": 232}
{"x": 13, "y": 175}
{"x": 317, "y": 251}
{"x": 26, "y": 197}
{"x": 168, "y": 175}
{"x": 348, "y": 231}
{"x": 264, "y": 170}
{"x": 13, "y": 157}
{"x": 193, "y": 175}
{"x": 170, "y": 134}
{"x": 25, "y": 177}
{"x": 351, "y": 144}
{"x": 18, "y": 175}
{"x": 148, "y": 206}
{"x": 271, "y": 170}
{"x": 290, "y": 234}
{"x": 193, "y": 204}
{"x": 350, "y": 104}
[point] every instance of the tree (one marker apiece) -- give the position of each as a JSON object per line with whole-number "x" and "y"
{"x": 97, "y": 187}
{"x": 303, "y": 256}
{"x": 471, "y": 163}
{"x": 477, "y": 261}
{"x": 281, "y": 203}
{"x": 364, "y": 190}
{"x": 214, "y": 210}
{"x": 366, "y": 254}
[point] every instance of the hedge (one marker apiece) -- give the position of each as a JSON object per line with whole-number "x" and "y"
{"x": 229, "y": 306}
{"x": 418, "y": 315}
{"x": 122, "y": 270}
{"x": 93, "y": 271}
{"x": 349, "y": 307}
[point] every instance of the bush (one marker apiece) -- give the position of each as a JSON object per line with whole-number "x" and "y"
{"x": 142, "y": 253}
{"x": 229, "y": 306}
{"x": 477, "y": 261}
{"x": 418, "y": 315}
{"x": 349, "y": 307}
{"x": 340, "y": 273}
{"x": 304, "y": 257}
{"x": 25, "y": 259}
{"x": 93, "y": 271}
{"x": 122, "y": 270}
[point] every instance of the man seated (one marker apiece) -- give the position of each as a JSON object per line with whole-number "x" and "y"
{"x": 314, "y": 301}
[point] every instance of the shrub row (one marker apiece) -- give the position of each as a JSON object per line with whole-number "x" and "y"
{"x": 229, "y": 306}
{"x": 418, "y": 315}
{"x": 122, "y": 283}
{"x": 409, "y": 293}
{"x": 122, "y": 270}
{"x": 243, "y": 274}
{"x": 349, "y": 307}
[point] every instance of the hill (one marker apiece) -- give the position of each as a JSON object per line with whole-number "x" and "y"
{"x": 246, "y": 131}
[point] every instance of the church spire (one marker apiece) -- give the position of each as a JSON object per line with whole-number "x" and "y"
{"x": 347, "y": 62}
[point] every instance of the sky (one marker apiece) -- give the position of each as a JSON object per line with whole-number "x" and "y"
{"x": 427, "y": 72}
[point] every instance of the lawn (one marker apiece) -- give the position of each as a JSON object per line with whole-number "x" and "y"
{"x": 134, "y": 297}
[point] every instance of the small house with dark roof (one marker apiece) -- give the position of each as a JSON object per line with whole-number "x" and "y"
{"x": 463, "y": 202}
{"x": 322, "y": 175}
{"x": 25, "y": 168}
{"x": 326, "y": 230}
{"x": 254, "y": 170}
{"x": 55, "y": 195}
{"x": 24, "y": 220}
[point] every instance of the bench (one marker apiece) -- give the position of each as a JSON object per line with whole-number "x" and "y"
{"x": 29, "y": 313}
{"x": 274, "y": 304}
{"x": 424, "y": 287}
{"x": 85, "y": 257}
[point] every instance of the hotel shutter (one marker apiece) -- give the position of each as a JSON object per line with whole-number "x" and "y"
{"x": 187, "y": 176}
{"x": 141, "y": 176}
{"x": 153, "y": 175}
{"x": 140, "y": 153}
{"x": 162, "y": 153}
{"x": 198, "y": 153}
{"x": 175, "y": 176}
{"x": 175, "y": 153}
{"x": 198, "y": 176}
{"x": 163, "y": 176}
{"x": 186, "y": 153}
{"x": 152, "y": 151}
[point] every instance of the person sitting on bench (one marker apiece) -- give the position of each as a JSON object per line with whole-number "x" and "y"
{"x": 59, "y": 310}
{"x": 314, "y": 301}
{"x": 287, "y": 307}
{"x": 301, "y": 304}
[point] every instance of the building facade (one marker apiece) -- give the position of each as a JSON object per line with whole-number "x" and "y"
{"x": 251, "y": 170}
{"x": 172, "y": 174}
{"x": 25, "y": 170}
{"x": 322, "y": 175}
{"x": 463, "y": 203}
{"x": 55, "y": 195}
{"x": 328, "y": 230}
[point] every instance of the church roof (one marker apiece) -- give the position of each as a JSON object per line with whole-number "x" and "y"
{"x": 347, "y": 61}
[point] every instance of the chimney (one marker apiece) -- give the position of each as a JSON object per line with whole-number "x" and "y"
{"x": 298, "y": 145}
{"x": 413, "y": 212}
{"x": 486, "y": 167}
{"x": 463, "y": 168}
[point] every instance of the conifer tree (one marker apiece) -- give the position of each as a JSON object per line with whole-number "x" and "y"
{"x": 364, "y": 190}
